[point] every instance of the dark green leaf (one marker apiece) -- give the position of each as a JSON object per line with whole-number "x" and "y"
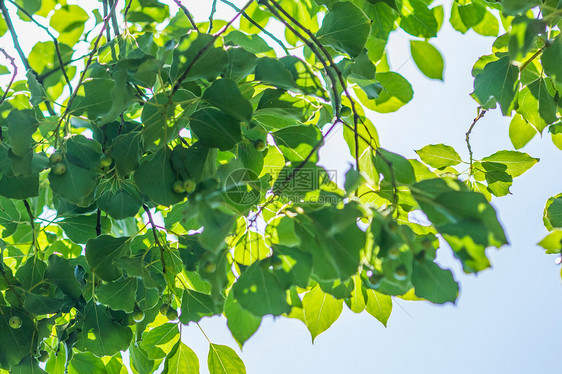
{"x": 102, "y": 251}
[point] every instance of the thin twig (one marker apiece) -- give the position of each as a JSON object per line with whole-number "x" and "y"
{"x": 32, "y": 223}
{"x": 86, "y": 67}
{"x": 98, "y": 222}
{"x": 533, "y": 57}
{"x": 55, "y": 42}
{"x": 258, "y": 26}
{"x": 17, "y": 46}
{"x": 188, "y": 15}
{"x": 114, "y": 23}
{"x": 14, "y": 73}
{"x": 202, "y": 51}
{"x": 481, "y": 114}
{"x": 334, "y": 67}
{"x": 156, "y": 238}
{"x": 212, "y": 15}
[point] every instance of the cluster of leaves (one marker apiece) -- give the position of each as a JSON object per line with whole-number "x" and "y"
{"x": 180, "y": 173}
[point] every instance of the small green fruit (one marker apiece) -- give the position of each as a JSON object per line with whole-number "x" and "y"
{"x": 401, "y": 273}
{"x": 259, "y": 145}
{"x": 172, "y": 314}
{"x": 189, "y": 185}
{"x": 164, "y": 308}
{"x": 345, "y": 110}
{"x": 210, "y": 267}
{"x": 43, "y": 356}
{"x": 55, "y": 158}
{"x": 138, "y": 315}
{"x": 394, "y": 253}
{"x": 106, "y": 161}
{"x": 59, "y": 169}
{"x": 178, "y": 187}
{"x": 15, "y": 322}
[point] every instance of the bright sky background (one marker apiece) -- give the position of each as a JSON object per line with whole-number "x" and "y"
{"x": 507, "y": 319}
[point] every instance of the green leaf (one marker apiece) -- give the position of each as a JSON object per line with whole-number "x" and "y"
{"x": 181, "y": 360}
{"x": 512, "y": 7}
{"x": 258, "y": 291}
{"x": 102, "y": 251}
{"x": 472, "y": 13}
{"x": 345, "y": 28}
{"x": 120, "y": 204}
{"x": 418, "y": 20}
{"x": 489, "y": 26}
{"x": 118, "y": 295}
{"x": 321, "y": 310}
{"x": 155, "y": 178}
{"x": 100, "y": 334}
{"x": 225, "y": 95}
{"x": 61, "y": 273}
{"x": 80, "y": 229}
{"x": 358, "y": 300}
{"x": 15, "y": 346}
{"x": 76, "y": 184}
{"x": 21, "y": 187}
{"x": 334, "y": 241}
{"x": 551, "y": 59}
{"x": 379, "y": 306}
{"x": 69, "y": 21}
{"x": 520, "y": 131}
{"x": 402, "y": 170}
{"x": 433, "y": 283}
{"x": 210, "y": 63}
{"x": 38, "y": 304}
{"x": 21, "y": 126}
{"x": 241, "y": 323}
{"x": 552, "y": 243}
{"x": 224, "y": 360}
{"x": 196, "y": 305}
{"x": 427, "y": 58}
{"x": 396, "y": 93}
{"x": 86, "y": 363}
{"x": 215, "y": 129}
{"x": 297, "y": 142}
{"x": 537, "y": 105}
{"x": 157, "y": 337}
{"x": 31, "y": 273}
{"x": 126, "y": 151}
{"x": 295, "y": 266}
{"x": 93, "y": 98}
{"x": 516, "y": 162}
{"x": 553, "y": 212}
{"x": 497, "y": 81}
{"x": 439, "y": 155}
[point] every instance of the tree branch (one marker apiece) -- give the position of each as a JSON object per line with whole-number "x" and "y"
{"x": 187, "y": 14}
{"x": 257, "y": 25}
{"x": 212, "y": 15}
{"x": 14, "y": 73}
{"x": 55, "y": 42}
{"x": 32, "y": 223}
{"x": 181, "y": 78}
{"x": 481, "y": 114}
{"x": 156, "y": 238}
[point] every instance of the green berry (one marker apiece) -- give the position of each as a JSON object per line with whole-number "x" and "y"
{"x": 106, "y": 161}
{"x": 164, "y": 308}
{"x": 401, "y": 273}
{"x": 55, "y": 158}
{"x": 59, "y": 169}
{"x": 178, "y": 187}
{"x": 15, "y": 322}
{"x": 259, "y": 145}
{"x": 172, "y": 314}
{"x": 138, "y": 315}
{"x": 189, "y": 185}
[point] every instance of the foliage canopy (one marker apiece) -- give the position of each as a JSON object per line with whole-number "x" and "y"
{"x": 171, "y": 173}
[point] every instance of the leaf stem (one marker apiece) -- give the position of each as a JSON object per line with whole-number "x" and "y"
{"x": 156, "y": 238}
{"x": 34, "y": 244}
